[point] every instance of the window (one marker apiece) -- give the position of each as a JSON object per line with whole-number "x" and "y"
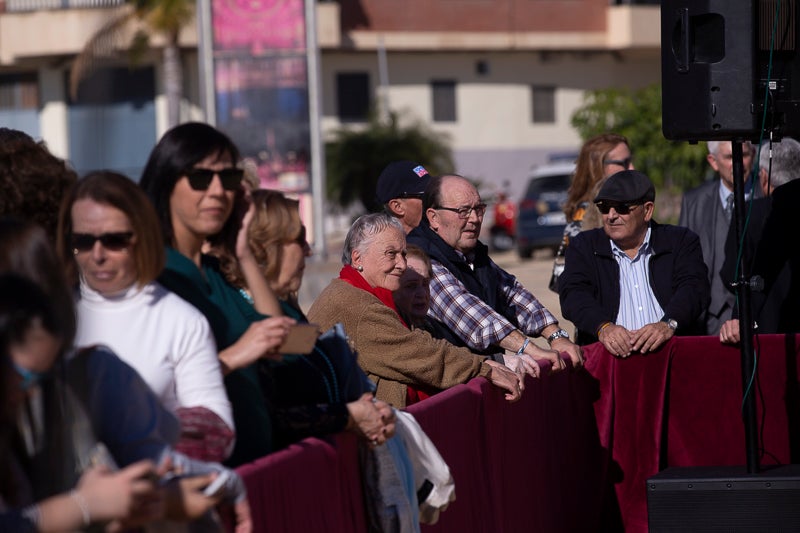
{"x": 352, "y": 96}
{"x": 444, "y": 100}
{"x": 544, "y": 104}
{"x": 19, "y": 91}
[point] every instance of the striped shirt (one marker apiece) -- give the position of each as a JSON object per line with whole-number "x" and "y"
{"x": 637, "y": 302}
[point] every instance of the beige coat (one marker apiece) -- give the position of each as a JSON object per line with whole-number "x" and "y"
{"x": 392, "y": 355}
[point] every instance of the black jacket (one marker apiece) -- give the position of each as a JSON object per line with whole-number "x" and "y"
{"x": 589, "y": 288}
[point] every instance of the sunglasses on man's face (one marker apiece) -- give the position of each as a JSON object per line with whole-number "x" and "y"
{"x": 620, "y": 208}
{"x": 115, "y": 242}
{"x": 200, "y": 178}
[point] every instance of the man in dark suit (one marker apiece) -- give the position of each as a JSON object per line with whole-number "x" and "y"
{"x": 633, "y": 283}
{"x": 778, "y": 165}
{"x": 707, "y": 211}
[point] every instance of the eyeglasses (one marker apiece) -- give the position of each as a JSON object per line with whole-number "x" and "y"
{"x": 621, "y": 209}
{"x": 200, "y": 178}
{"x": 625, "y": 163}
{"x": 464, "y": 212}
{"x": 115, "y": 242}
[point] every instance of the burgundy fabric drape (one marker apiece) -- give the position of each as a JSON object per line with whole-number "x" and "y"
{"x": 572, "y": 455}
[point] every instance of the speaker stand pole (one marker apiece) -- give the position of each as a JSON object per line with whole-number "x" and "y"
{"x": 745, "y": 316}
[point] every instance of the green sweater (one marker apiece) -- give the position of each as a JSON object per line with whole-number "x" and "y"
{"x": 229, "y": 315}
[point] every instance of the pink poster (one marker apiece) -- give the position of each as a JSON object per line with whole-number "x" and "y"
{"x": 260, "y": 76}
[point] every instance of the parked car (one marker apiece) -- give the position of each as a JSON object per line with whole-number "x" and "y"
{"x": 540, "y": 218}
{"x": 504, "y": 226}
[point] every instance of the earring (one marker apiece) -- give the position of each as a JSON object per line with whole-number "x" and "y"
{"x": 360, "y": 268}
{"x": 74, "y": 251}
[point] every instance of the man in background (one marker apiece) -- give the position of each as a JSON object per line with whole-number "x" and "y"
{"x": 773, "y": 310}
{"x": 399, "y": 190}
{"x": 707, "y": 210}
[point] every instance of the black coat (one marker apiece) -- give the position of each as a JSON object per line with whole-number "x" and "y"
{"x": 778, "y": 248}
{"x": 589, "y": 288}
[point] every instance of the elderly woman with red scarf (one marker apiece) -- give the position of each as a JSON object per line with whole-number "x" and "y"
{"x": 405, "y": 364}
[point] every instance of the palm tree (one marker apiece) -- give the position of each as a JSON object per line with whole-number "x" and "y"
{"x": 356, "y": 157}
{"x": 144, "y": 19}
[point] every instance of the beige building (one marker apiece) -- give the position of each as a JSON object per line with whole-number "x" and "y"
{"x": 500, "y": 77}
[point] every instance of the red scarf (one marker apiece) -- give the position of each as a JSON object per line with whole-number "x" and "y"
{"x": 354, "y": 278}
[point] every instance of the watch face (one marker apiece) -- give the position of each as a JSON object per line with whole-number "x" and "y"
{"x": 673, "y": 324}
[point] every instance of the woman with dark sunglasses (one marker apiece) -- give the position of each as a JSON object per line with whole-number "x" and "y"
{"x": 193, "y": 181}
{"x": 111, "y": 246}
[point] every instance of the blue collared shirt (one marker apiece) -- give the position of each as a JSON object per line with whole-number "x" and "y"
{"x": 637, "y": 302}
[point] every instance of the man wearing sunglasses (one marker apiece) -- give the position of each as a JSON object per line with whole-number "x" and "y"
{"x": 633, "y": 283}
{"x": 399, "y": 190}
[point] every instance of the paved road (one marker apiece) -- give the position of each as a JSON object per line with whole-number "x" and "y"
{"x": 533, "y": 273}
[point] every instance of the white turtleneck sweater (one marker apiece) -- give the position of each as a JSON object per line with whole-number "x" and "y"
{"x": 164, "y": 338}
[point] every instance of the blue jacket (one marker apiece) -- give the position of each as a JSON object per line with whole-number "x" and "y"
{"x": 589, "y": 288}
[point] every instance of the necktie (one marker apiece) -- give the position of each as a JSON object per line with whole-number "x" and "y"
{"x": 729, "y": 207}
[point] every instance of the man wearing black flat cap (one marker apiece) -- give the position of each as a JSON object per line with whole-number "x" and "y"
{"x": 400, "y": 188}
{"x": 633, "y": 283}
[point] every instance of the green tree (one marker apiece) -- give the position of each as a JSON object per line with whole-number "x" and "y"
{"x": 674, "y": 166}
{"x": 356, "y": 157}
{"x": 147, "y": 18}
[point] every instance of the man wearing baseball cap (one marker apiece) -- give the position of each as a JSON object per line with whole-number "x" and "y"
{"x": 399, "y": 190}
{"x": 633, "y": 283}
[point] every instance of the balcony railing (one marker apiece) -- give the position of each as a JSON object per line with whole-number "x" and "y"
{"x": 19, "y": 6}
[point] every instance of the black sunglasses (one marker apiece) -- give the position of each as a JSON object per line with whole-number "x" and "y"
{"x": 115, "y": 242}
{"x": 625, "y": 163}
{"x": 620, "y": 208}
{"x": 200, "y": 178}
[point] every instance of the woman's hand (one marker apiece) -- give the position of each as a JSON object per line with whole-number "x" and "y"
{"x": 245, "y": 211}
{"x": 504, "y": 378}
{"x": 129, "y": 497}
{"x": 372, "y": 419}
{"x": 262, "y": 339}
{"x": 541, "y": 354}
{"x": 185, "y": 499}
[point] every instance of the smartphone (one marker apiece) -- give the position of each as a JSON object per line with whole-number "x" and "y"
{"x": 218, "y": 485}
{"x": 301, "y": 339}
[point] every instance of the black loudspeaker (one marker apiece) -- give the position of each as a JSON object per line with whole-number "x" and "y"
{"x": 708, "y": 68}
{"x": 695, "y": 499}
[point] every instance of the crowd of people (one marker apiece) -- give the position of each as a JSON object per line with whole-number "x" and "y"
{"x": 144, "y": 326}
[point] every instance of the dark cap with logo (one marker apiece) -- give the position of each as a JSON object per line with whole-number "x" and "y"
{"x": 401, "y": 179}
{"x": 628, "y": 186}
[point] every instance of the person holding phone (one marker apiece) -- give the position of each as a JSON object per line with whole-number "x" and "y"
{"x": 193, "y": 179}
{"x": 111, "y": 245}
{"x": 298, "y": 391}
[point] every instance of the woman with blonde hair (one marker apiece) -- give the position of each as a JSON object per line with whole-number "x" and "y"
{"x": 298, "y": 390}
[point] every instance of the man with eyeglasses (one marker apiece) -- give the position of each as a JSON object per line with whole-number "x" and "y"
{"x": 707, "y": 210}
{"x": 480, "y": 305}
{"x": 633, "y": 283}
{"x": 399, "y": 191}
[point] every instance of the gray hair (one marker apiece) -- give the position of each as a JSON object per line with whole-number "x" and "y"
{"x": 713, "y": 146}
{"x": 364, "y": 229}
{"x": 785, "y": 161}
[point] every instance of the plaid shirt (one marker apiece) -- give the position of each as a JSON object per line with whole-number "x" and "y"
{"x": 478, "y": 325}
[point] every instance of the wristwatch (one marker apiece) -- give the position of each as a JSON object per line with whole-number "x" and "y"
{"x": 558, "y": 334}
{"x": 671, "y": 322}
